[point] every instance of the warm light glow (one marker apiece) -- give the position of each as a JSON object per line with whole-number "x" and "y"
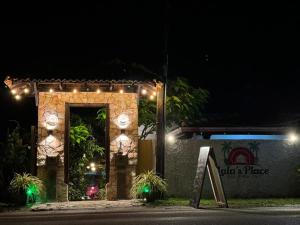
{"x": 93, "y": 169}
{"x": 98, "y": 91}
{"x": 123, "y": 121}
{"x": 292, "y": 137}
{"x": 121, "y": 91}
{"x": 51, "y": 90}
{"x": 18, "y": 97}
{"x": 92, "y": 164}
{"x": 74, "y": 91}
{"x": 171, "y": 138}
{"x": 51, "y": 120}
{"x": 88, "y": 167}
{"x": 13, "y": 91}
{"x": 144, "y": 92}
{"x": 123, "y": 138}
{"x": 26, "y": 90}
{"x": 154, "y": 93}
{"x": 151, "y": 97}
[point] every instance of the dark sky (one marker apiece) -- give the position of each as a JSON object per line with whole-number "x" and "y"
{"x": 254, "y": 54}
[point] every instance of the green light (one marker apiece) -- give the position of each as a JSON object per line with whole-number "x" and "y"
{"x": 146, "y": 189}
{"x": 31, "y": 190}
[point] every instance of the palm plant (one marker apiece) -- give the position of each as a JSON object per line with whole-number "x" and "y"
{"x": 27, "y": 184}
{"x": 226, "y": 146}
{"x": 148, "y": 186}
{"x": 254, "y": 147}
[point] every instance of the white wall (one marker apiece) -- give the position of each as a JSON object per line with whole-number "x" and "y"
{"x": 276, "y": 165}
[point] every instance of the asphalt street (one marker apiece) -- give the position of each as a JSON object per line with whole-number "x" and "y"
{"x": 157, "y": 216}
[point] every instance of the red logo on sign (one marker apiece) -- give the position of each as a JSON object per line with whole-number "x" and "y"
{"x": 241, "y": 156}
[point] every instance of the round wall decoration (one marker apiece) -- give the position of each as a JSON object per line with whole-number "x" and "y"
{"x": 123, "y": 121}
{"x": 51, "y": 121}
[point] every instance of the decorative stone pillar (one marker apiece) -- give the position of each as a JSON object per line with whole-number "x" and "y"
{"x": 119, "y": 178}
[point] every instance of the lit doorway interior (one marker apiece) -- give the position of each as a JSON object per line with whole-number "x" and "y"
{"x": 87, "y": 151}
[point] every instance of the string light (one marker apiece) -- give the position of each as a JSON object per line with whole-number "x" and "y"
{"x": 26, "y": 90}
{"x": 18, "y": 97}
{"x": 144, "y": 92}
{"x": 292, "y": 137}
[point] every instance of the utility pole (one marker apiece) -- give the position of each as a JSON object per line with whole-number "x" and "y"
{"x": 161, "y": 104}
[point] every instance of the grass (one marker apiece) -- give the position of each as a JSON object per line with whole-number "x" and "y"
{"x": 233, "y": 203}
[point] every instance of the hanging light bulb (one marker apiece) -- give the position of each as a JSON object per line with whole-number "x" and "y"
{"x": 18, "y": 97}
{"x": 154, "y": 93}
{"x": 74, "y": 90}
{"x": 13, "y": 91}
{"x": 51, "y": 90}
{"x": 151, "y": 97}
{"x": 144, "y": 92}
{"x": 26, "y": 90}
{"x": 98, "y": 91}
{"x": 121, "y": 91}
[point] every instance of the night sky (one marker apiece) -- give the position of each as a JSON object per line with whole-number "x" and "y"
{"x": 253, "y": 64}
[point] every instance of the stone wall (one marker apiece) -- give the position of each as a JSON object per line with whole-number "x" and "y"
{"x": 271, "y": 173}
{"x": 51, "y": 115}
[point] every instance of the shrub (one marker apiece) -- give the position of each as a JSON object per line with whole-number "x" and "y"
{"x": 148, "y": 186}
{"x": 101, "y": 195}
{"x": 27, "y": 185}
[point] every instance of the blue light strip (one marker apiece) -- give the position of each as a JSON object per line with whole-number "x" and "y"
{"x": 247, "y": 137}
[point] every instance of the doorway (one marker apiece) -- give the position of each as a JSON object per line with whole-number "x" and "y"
{"x": 87, "y": 151}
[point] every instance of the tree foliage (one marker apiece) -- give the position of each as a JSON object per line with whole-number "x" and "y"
{"x": 101, "y": 116}
{"x": 184, "y": 104}
{"x": 14, "y": 158}
{"x": 79, "y": 134}
{"x": 83, "y": 149}
{"x": 147, "y": 117}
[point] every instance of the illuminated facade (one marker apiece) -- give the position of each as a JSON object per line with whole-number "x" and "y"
{"x": 54, "y": 99}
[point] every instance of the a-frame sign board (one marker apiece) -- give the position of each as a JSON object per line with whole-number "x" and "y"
{"x": 207, "y": 161}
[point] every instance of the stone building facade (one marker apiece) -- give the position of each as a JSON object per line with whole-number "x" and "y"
{"x": 51, "y": 135}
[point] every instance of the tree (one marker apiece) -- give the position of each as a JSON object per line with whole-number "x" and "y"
{"x": 184, "y": 104}
{"x": 14, "y": 158}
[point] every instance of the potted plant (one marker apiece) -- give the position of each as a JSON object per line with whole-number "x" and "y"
{"x": 148, "y": 186}
{"x": 27, "y": 188}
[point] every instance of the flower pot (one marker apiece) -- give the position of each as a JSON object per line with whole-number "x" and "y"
{"x": 20, "y": 198}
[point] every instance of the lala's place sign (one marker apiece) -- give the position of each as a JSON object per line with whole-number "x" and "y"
{"x": 241, "y": 161}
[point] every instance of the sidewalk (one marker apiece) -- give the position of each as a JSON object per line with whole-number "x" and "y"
{"x": 75, "y": 205}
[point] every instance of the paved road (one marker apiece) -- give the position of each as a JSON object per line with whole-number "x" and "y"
{"x": 183, "y": 216}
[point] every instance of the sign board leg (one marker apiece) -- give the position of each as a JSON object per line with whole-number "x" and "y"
{"x": 207, "y": 161}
